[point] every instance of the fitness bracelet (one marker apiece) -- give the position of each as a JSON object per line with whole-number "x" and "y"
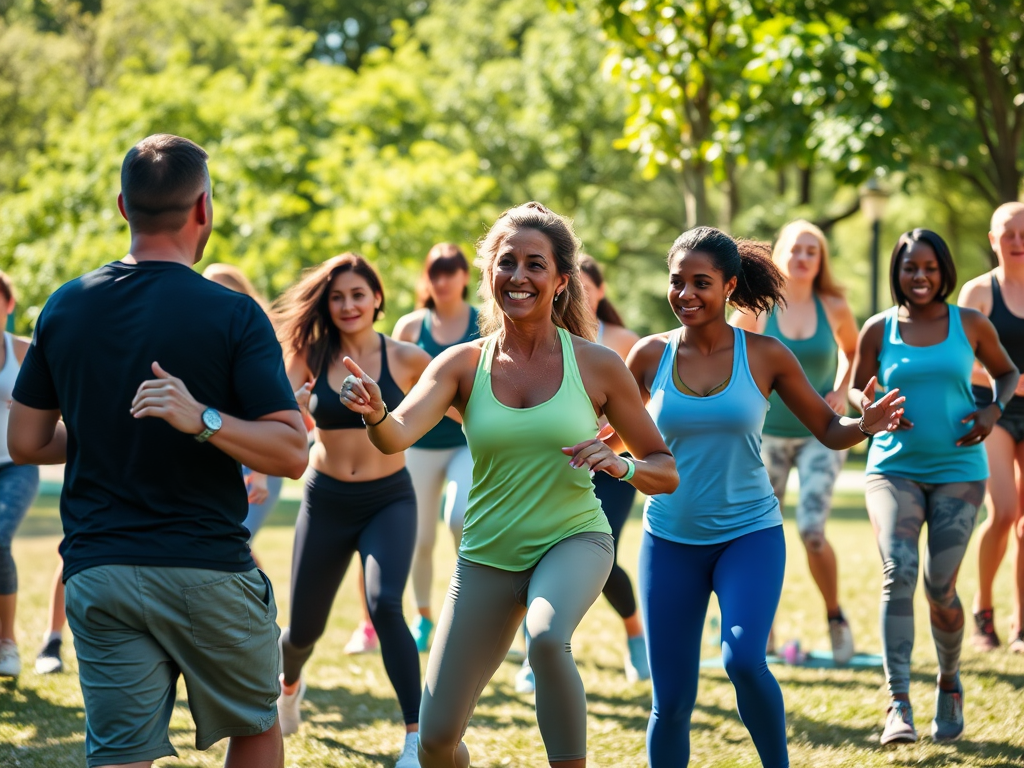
{"x": 630, "y": 469}
{"x": 374, "y": 424}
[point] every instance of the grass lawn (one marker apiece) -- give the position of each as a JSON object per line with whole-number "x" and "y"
{"x": 352, "y": 719}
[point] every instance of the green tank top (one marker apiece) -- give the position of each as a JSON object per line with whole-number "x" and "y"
{"x": 819, "y": 357}
{"x": 525, "y": 497}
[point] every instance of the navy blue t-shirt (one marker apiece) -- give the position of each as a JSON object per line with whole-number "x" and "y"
{"x": 138, "y": 491}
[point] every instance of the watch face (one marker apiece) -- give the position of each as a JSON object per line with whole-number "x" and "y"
{"x": 211, "y": 419}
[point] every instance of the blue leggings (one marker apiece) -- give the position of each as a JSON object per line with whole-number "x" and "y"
{"x": 676, "y": 582}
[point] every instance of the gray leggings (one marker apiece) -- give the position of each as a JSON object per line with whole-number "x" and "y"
{"x": 476, "y": 627}
{"x": 898, "y": 507}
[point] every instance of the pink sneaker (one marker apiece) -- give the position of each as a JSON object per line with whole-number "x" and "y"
{"x": 363, "y": 640}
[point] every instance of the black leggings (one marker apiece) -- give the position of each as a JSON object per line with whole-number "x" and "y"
{"x": 616, "y": 499}
{"x": 377, "y": 518}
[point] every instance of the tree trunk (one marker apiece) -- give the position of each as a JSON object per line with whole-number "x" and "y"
{"x": 806, "y": 173}
{"x": 732, "y": 201}
{"x": 698, "y": 212}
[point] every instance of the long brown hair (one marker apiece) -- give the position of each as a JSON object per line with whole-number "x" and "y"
{"x": 442, "y": 259}
{"x": 304, "y": 323}
{"x": 6, "y": 287}
{"x": 606, "y": 311}
{"x": 824, "y": 282}
{"x": 570, "y": 312}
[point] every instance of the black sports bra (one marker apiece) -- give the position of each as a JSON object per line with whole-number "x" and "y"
{"x": 331, "y": 413}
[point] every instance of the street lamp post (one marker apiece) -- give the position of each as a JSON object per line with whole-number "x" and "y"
{"x": 873, "y": 200}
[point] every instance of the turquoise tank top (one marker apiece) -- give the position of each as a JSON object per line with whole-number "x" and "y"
{"x": 723, "y": 490}
{"x": 818, "y": 356}
{"x": 936, "y": 380}
{"x": 525, "y": 497}
{"x": 448, "y": 432}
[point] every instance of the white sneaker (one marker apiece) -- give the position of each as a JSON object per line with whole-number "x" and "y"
{"x": 410, "y": 757}
{"x": 289, "y": 708}
{"x": 10, "y": 661}
{"x": 363, "y": 640}
{"x": 842, "y": 641}
{"x": 525, "y": 681}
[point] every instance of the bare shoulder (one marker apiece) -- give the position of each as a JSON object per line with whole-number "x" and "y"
{"x": 766, "y": 347}
{"x": 21, "y": 346}
{"x": 617, "y": 335}
{"x": 647, "y": 352}
{"x": 590, "y": 353}
{"x": 971, "y": 318}
{"x": 408, "y": 326}
{"x": 461, "y": 357}
{"x": 977, "y": 293}
{"x": 835, "y": 306}
{"x": 406, "y": 353}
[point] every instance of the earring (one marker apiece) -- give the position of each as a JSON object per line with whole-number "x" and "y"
{"x": 557, "y": 295}
{"x": 728, "y": 296}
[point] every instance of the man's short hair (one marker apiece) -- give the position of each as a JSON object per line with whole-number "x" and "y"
{"x": 162, "y": 177}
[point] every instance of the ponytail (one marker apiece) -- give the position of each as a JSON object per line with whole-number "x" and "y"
{"x": 759, "y": 283}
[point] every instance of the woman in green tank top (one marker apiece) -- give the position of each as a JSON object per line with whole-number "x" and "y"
{"x": 817, "y": 326}
{"x": 535, "y": 542}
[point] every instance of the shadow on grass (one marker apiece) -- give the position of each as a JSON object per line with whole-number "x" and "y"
{"x": 59, "y": 735}
{"x": 965, "y": 752}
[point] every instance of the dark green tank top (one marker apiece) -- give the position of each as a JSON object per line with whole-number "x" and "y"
{"x": 448, "y": 433}
{"x": 819, "y": 357}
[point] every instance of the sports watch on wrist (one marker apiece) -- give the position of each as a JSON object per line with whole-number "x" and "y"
{"x": 212, "y": 423}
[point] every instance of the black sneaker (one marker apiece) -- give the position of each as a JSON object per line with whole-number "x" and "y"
{"x": 48, "y": 661}
{"x": 984, "y": 638}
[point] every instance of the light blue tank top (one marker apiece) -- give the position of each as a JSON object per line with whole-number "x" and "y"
{"x": 723, "y": 490}
{"x": 936, "y": 380}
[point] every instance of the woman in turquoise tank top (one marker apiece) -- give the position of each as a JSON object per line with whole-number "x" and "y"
{"x": 708, "y": 385}
{"x": 535, "y": 542}
{"x": 933, "y": 469}
{"x": 817, "y": 325}
{"x": 439, "y": 463}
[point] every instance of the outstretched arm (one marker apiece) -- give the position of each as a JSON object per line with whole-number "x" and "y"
{"x": 419, "y": 412}
{"x": 832, "y": 430}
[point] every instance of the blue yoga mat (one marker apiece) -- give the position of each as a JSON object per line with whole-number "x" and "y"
{"x": 814, "y": 660}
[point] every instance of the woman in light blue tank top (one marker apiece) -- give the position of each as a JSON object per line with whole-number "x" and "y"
{"x": 708, "y": 384}
{"x": 933, "y": 469}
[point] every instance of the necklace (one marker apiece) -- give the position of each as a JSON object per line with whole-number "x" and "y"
{"x": 508, "y": 375}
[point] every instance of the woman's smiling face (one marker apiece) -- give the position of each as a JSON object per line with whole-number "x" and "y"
{"x": 526, "y": 279}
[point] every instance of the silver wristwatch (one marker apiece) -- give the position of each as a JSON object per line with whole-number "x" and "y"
{"x": 212, "y": 422}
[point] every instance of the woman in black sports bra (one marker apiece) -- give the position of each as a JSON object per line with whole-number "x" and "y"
{"x": 357, "y": 499}
{"x": 1000, "y": 295}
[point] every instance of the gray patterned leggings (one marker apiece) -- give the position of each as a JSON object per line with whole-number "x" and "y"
{"x": 898, "y": 507}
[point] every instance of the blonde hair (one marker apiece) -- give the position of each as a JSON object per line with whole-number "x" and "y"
{"x": 571, "y": 311}
{"x": 232, "y": 277}
{"x": 824, "y": 282}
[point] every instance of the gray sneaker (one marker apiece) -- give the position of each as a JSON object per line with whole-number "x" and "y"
{"x": 948, "y": 724}
{"x": 899, "y": 724}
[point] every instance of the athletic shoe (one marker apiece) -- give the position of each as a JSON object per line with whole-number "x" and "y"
{"x": 636, "y": 660}
{"x": 48, "y": 661}
{"x": 1017, "y": 644}
{"x": 363, "y": 640}
{"x": 899, "y": 724}
{"x": 948, "y": 724}
{"x": 10, "y": 661}
{"x": 842, "y": 640}
{"x": 410, "y": 752}
{"x": 421, "y": 629}
{"x": 289, "y": 708}
{"x": 525, "y": 681}
{"x": 984, "y": 638}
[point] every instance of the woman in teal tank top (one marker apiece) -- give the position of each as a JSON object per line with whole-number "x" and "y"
{"x": 721, "y": 531}
{"x": 439, "y": 463}
{"x": 817, "y": 326}
{"x": 933, "y": 469}
{"x": 535, "y": 541}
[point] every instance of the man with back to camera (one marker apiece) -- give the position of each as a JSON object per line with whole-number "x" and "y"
{"x": 165, "y": 381}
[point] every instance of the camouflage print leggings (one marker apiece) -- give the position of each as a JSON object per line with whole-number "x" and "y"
{"x": 898, "y": 507}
